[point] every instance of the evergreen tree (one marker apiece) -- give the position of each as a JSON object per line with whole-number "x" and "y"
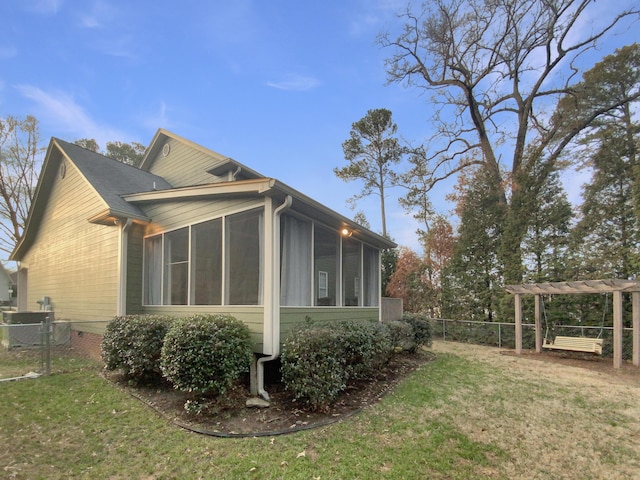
{"x": 472, "y": 285}
{"x": 372, "y": 151}
{"x": 546, "y": 243}
{"x": 608, "y": 229}
{"x": 607, "y": 234}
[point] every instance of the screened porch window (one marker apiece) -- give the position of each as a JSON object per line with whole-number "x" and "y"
{"x": 185, "y": 266}
{"x": 206, "y": 272}
{"x": 319, "y": 267}
{"x": 370, "y": 274}
{"x": 176, "y": 267}
{"x": 243, "y": 258}
{"x": 295, "y": 262}
{"x": 351, "y": 271}
{"x": 326, "y": 260}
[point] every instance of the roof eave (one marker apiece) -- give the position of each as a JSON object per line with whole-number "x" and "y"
{"x": 110, "y": 217}
{"x": 353, "y": 227}
{"x": 43, "y": 181}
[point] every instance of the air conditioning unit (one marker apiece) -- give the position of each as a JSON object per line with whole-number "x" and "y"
{"x": 24, "y": 330}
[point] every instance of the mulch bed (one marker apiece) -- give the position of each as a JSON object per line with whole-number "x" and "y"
{"x": 228, "y": 416}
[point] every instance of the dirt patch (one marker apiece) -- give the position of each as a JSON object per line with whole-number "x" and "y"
{"x": 229, "y": 415}
{"x": 551, "y": 364}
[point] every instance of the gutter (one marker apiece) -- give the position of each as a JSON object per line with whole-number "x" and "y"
{"x": 274, "y": 312}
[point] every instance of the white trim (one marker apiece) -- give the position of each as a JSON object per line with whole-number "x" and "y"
{"x": 223, "y": 299}
{"x": 123, "y": 244}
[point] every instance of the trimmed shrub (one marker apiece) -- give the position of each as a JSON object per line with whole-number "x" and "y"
{"x": 365, "y": 347}
{"x": 319, "y": 361}
{"x": 422, "y": 329}
{"x": 133, "y": 343}
{"x": 313, "y": 367}
{"x": 206, "y": 354}
{"x": 401, "y": 334}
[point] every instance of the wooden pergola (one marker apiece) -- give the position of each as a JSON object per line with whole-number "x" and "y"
{"x": 615, "y": 286}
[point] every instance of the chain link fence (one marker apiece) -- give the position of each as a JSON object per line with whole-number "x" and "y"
{"x": 502, "y": 335}
{"x": 48, "y": 346}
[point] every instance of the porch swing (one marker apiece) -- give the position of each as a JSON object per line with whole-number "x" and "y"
{"x": 574, "y": 344}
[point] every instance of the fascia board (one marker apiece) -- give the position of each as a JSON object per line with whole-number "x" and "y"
{"x": 344, "y": 222}
{"x": 43, "y": 189}
{"x": 257, "y": 186}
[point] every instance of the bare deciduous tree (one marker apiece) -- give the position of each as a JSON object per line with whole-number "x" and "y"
{"x": 496, "y": 69}
{"x": 19, "y": 164}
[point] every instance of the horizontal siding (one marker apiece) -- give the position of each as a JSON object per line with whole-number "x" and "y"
{"x": 252, "y": 316}
{"x": 290, "y": 317}
{"x": 71, "y": 260}
{"x": 184, "y": 166}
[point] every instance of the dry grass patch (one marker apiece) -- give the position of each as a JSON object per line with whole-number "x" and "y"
{"x": 556, "y": 420}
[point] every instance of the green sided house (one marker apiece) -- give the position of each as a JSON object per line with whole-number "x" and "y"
{"x": 190, "y": 231}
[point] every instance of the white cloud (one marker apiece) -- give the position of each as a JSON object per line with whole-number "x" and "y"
{"x": 296, "y": 82}
{"x": 158, "y": 119}
{"x": 363, "y": 24}
{"x": 370, "y": 17}
{"x": 8, "y": 52}
{"x": 99, "y": 15}
{"x": 61, "y": 113}
{"x": 45, "y": 7}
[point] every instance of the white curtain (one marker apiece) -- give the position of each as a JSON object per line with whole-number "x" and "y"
{"x": 371, "y": 269}
{"x": 153, "y": 270}
{"x": 244, "y": 245}
{"x": 295, "y": 265}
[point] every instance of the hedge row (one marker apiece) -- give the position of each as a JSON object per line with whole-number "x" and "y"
{"x": 319, "y": 361}
{"x": 204, "y": 354}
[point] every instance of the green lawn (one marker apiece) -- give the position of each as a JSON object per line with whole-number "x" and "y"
{"x": 76, "y": 425}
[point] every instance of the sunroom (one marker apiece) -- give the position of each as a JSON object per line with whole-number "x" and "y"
{"x": 220, "y": 262}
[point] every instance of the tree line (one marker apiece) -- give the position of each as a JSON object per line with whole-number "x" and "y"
{"x": 513, "y": 111}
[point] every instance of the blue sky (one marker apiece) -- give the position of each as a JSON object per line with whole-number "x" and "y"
{"x": 275, "y": 85}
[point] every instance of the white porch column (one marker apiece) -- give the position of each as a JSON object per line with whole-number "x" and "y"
{"x": 121, "y": 307}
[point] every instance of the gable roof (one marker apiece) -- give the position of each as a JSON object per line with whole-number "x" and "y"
{"x": 230, "y": 177}
{"x": 221, "y": 168}
{"x": 111, "y": 179}
{"x": 108, "y": 177}
{"x": 124, "y": 188}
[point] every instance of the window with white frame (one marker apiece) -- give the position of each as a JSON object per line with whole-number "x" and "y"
{"x": 323, "y": 284}
{"x": 185, "y": 266}
{"x": 176, "y": 267}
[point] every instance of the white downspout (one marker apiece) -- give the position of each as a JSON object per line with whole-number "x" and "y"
{"x": 121, "y": 308}
{"x": 274, "y": 313}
